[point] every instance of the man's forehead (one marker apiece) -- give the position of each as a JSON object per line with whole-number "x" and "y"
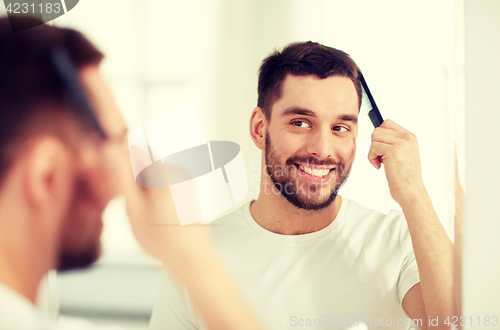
{"x": 334, "y": 93}
{"x": 309, "y": 83}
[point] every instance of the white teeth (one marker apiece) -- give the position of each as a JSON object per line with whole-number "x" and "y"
{"x": 315, "y": 172}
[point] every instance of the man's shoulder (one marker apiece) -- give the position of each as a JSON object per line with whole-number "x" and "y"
{"x": 384, "y": 231}
{"x": 235, "y": 220}
{"x": 357, "y": 213}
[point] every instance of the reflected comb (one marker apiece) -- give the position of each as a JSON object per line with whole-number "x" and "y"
{"x": 374, "y": 113}
{"x": 69, "y": 76}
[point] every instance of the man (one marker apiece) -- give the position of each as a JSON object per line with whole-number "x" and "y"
{"x": 62, "y": 158}
{"x": 304, "y": 255}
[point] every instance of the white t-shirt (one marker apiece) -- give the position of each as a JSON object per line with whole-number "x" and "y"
{"x": 356, "y": 270}
{"x": 18, "y": 313}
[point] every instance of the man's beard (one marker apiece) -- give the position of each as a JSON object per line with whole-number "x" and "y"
{"x": 71, "y": 260}
{"x": 288, "y": 187}
{"x": 80, "y": 235}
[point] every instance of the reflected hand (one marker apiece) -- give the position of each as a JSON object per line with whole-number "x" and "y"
{"x": 397, "y": 149}
{"x": 155, "y": 222}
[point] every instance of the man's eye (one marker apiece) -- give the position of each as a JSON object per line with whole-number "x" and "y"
{"x": 300, "y": 123}
{"x": 340, "y": 129}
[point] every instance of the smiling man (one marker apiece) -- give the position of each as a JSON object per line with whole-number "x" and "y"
{"x": 304, "y": 255}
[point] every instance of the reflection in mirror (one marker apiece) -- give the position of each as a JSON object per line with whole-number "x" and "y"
{"x": 408, "y": 54}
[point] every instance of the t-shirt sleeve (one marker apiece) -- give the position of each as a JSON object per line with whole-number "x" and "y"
{"x": 173, "y": 309}
{"x": 408, "y": 275}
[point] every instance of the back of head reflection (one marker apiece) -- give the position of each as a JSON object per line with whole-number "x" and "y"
{"x": 53, "y": 178}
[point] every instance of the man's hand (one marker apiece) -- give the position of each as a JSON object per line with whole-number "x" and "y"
{"x": 187, "y": 251}
{"x": 397, "y": 148}
{"x": 155, "y": 223}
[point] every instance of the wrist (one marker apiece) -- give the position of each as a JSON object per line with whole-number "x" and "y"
{"x": 413, "y": 196}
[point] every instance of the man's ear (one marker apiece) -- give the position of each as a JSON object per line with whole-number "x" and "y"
{"x": 47, "y": 176}
{"x": 258, "y": 128}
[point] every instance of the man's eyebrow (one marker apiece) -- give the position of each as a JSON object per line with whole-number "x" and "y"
{"x": 351, "y": 118}
{"x": 298, "y": 111}
{"x": 310, "y": 113}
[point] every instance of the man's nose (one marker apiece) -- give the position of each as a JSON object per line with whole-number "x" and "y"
{"x": 320, "y": 143}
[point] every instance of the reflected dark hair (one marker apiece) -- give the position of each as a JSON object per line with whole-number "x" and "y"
{"x": 302, "y": 59}
{"x": 32, "y": 95}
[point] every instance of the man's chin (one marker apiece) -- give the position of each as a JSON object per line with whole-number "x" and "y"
{"x": 313, "y": 203}
{"x": 72, "y": 260}
{"x": 310, "y": 204}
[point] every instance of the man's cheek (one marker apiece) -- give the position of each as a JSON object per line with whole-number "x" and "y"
{"x": 347, "y": 152}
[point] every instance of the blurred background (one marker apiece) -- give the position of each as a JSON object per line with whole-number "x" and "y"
{"x": 162, "y": 54}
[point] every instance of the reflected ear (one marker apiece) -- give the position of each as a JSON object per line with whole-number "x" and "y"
{"x": 47, "y": 179}
{"x": 258, "y": 127}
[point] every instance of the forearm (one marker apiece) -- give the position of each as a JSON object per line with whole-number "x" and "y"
{"x": 434, "y": 255}
{"x": 457, "y": 258}
{"x": 212, "y": 291}
{"x": 457, "y": 273}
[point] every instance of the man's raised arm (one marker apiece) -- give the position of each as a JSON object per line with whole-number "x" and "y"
{"x": 188, "y": 253}
{"x": 432, "y": 298}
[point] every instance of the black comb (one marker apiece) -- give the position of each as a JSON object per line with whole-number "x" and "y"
{"x": 67, "y": 72}
{"x": 374, "y": 113}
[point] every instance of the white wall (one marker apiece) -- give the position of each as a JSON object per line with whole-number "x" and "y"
{"x": 481, "y": 229}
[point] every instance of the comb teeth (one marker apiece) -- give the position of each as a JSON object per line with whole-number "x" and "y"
{"x": 375, "y": 117}
{"x": 374, "y": 113}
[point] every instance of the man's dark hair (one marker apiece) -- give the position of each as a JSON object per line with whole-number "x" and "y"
{"x": 302, "y": 59}
{"x": 33, "y": 98}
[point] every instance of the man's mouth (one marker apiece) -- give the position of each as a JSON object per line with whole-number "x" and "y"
{"x": 317, "y": 171}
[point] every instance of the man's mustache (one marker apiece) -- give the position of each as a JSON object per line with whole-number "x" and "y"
{"x": 312, "y": 161}
{"x": 340, "y": 167}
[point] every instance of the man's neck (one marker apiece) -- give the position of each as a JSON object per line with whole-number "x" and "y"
{"x": 19, "y": 276}
{"x": 23, "y": 261}
{"x": 276, "y": 214}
